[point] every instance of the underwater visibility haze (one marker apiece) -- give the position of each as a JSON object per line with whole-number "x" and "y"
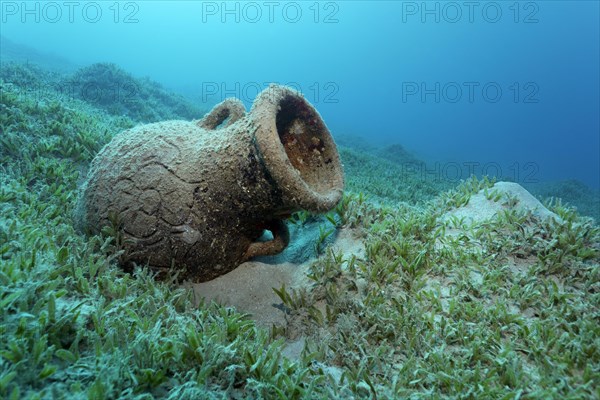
{"x": 511, "y": 86}
{"x": 299, "y": 199}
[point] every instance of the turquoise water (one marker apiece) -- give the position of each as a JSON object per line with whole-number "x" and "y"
{"x": 500, "y": 88}
{"x": 404, "y": 290}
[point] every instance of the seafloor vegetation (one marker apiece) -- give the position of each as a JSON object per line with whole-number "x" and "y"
{"x": 508, "y": 309}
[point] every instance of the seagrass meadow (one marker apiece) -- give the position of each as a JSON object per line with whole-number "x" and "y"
{"x": 436, "y": 308}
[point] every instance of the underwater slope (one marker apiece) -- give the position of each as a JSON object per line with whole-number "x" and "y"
{"x": 14, "y": 52}
{"x": 437, "y": 307}
{"x": 112, "y": 89}
{"x": 104, "y": 86}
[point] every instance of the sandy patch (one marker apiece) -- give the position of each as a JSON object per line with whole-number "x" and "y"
{"x": 481, "y": 209}
{"x": 249, "y": 288}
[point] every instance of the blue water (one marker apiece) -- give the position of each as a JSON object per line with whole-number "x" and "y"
{"x": 505, "y": 88}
